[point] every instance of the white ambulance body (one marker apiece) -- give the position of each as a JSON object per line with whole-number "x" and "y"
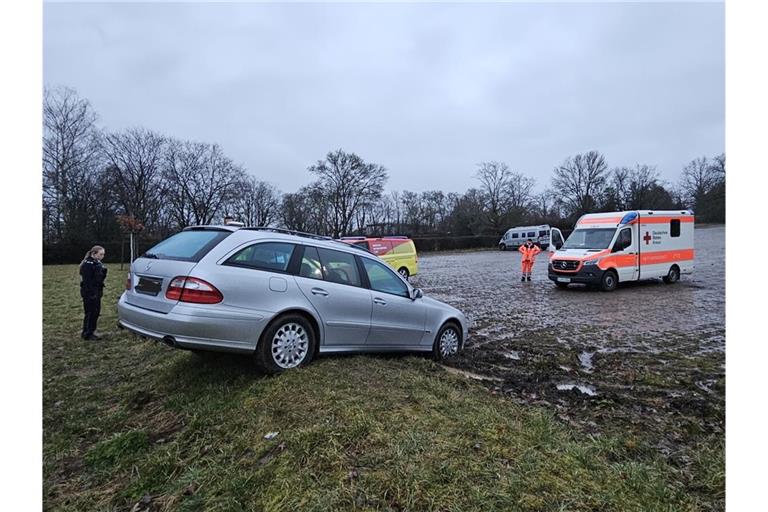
{"x": 605, "y": 249}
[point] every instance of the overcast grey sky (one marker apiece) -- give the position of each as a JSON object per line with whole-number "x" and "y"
{"x": 427, "y": 90}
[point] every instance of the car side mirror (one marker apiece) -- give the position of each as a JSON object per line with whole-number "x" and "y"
{"x": 618, "y": 247}
{"x": 416, "y": 293}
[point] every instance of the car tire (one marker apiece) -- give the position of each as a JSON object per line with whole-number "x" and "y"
{"x": 448, "y": 341}
{"x": 287, "y": 343}
{"x": 609, "y": 282}
{"x": 503, "y": 247}
{"x": 673, "y": 276}
{"x": 403, "y": 271}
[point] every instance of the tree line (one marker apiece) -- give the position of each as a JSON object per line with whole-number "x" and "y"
{"x": 94, "y": 179}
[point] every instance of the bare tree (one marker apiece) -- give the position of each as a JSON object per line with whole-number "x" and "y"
{"x": 70, "y": 157}
{"x": 495, "y": 179}
{"x": 508, "y": 194}
{"x": 200, "y": 179}
{"x": 579, "y": 182}
{"x": 307, "y": 210}
{"x": 348, "y": 183}
{"x": 699, "y": 177}
{"x": 135, "y": 159}
{"x": 255, "y": 203}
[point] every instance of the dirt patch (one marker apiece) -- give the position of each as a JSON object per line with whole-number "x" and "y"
{"x": 647, "y": 360}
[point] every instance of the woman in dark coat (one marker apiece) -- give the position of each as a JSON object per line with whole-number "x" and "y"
{"x": 92, "y": 275}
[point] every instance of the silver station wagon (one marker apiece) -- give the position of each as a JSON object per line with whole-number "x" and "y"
{"x": 282, "y": 296}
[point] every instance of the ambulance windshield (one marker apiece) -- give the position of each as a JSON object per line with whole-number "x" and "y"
{"x": 592, "y": 238}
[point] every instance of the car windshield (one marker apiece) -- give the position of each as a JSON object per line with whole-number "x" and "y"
{"x": 594, "y": 238}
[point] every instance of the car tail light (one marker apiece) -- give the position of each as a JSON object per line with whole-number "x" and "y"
{"x": 128, "y": 282}
{"x": 192, "y": 289}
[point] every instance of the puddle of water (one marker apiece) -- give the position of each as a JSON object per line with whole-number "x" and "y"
{"x": 512, "y": 354}
{"x": 584, "y": 388}
{"x": 585, "y": 359}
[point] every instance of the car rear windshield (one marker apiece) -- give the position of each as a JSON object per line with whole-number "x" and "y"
{"x": 188, "y": 245}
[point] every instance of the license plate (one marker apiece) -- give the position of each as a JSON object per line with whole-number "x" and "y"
{"x": 563, "y": 279}
{"x": 149, "y": 285}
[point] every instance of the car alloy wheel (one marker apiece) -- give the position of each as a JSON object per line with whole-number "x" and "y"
{"x": 290, "y": 345}
{"x": 449, "y": 342}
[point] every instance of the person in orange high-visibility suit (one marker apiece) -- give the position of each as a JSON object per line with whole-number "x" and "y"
{"x": 528, "y": 251}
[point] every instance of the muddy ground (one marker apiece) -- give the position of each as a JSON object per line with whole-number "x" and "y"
{"x": 647, "y": 360}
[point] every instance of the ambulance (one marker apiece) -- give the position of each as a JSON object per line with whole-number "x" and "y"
{"x": 606, "y": 249}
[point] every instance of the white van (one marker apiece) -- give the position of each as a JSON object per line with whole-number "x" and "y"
{"x": 605, "y": 249}
{"x": 541, "y": 235}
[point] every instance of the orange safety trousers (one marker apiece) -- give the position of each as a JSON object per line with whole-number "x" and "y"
{"x": 528, "y": 257}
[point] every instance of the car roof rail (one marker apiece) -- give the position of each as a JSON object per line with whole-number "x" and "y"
{"x": 314, "y": 236}
{"x": 352, "y": 238}
{"x": 397, "y": 237}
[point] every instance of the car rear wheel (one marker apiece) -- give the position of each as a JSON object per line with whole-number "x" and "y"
{"x": 447, "y": 341}
{"x": 609, "y": 282}
{"x": 289, "y": 342}
{"x": 403, "y": 272}
{"x": 503, "y": 247}
{"x": 673, "y": 276}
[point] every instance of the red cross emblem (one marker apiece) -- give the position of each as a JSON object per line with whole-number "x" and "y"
{"x": 647, "y": 238}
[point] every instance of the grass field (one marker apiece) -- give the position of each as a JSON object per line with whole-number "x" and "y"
{"x": 131, "y": 424}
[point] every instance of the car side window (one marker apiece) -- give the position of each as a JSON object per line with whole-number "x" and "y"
{"x": 339, "y": 267}
{"x": 310, "y": 264}
{"x": 531, "y": 234}
{"x": 515, "y": 235}
{"x": 382, "y": 279}
{"x": 271, "y": 256}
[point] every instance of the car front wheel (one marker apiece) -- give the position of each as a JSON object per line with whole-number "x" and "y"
{"x": 289, "y": 342}
{"x": 447, "y": 341}
{"x": 609, "y": 282}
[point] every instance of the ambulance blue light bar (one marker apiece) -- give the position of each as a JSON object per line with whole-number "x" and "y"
{"x": 629, "y": 218}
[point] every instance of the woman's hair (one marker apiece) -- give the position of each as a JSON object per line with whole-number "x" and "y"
{"x": 94, "y": 250}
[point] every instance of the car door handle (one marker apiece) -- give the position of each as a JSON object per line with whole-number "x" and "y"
{"x": 630, "y": 253}
{"x": 319, "y": 291}
{"x": 380, "y": 301}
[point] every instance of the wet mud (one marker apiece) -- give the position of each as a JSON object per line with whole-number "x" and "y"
{"x": 646, "y": 361}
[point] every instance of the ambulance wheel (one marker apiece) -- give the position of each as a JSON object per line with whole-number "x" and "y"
{"x": 609, "y": 282}
{"x": 403, "y": 272}
{"x": 503, "y": 247}
{"x": 673, "y": 276}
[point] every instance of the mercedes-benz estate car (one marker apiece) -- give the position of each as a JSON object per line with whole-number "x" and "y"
{"x": 282, "y": 296}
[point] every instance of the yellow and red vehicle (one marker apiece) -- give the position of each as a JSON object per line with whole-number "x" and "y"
{"x": 606, "y": 249}
{"x": 398, "y": 252}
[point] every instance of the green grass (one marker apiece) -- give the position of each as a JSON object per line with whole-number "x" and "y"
{"x": 126, "y": 418}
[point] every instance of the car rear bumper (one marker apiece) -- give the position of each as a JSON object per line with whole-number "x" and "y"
{"x": 590, "y": 275}
{"x": 190, "y": 327}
